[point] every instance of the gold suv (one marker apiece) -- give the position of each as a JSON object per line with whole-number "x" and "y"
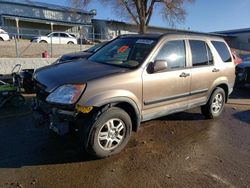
{"x": 132, "y": 79}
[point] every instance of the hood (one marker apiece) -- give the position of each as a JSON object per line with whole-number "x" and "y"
{"x": 80, "y": 71}
{"x": 77, "y": 55}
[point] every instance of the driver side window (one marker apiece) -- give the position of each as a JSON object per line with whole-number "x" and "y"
{"x": 174, "y": 53}
{"x": 55, "y": 34}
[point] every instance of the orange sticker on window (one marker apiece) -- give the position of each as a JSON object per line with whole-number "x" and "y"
{"x": 122, "y": 49}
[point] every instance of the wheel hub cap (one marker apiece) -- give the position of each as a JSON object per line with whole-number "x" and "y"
{"x": 111, "y": 134}
{"x": 217, "y": 103}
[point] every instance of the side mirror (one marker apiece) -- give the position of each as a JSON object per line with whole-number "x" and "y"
{"x": 157, "y": 66}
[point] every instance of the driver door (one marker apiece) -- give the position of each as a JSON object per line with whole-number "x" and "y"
{"x": 55, "y": 38}
{"x": 167, "y": 91}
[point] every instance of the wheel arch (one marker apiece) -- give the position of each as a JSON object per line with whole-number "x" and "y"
{"x": 43, "y": 41}
{"x": 128, "y": 105}
{"x": 224, "y": 86}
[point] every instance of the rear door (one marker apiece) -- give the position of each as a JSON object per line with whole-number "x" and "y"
{"x": 204, "y": 71}
{"x": 167, "y": 91}
{"x": 64, "y": 38}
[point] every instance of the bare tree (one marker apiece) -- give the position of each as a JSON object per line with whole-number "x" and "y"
{"x": 140, "y": 11}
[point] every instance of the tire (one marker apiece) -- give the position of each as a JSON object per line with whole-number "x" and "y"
{"x": 215, "y": 104}
{"x": 110, "y": 133}
{"x": 1, "y": 39}
{"x": 70, "y": 42}
{"x": 43, "y": 41}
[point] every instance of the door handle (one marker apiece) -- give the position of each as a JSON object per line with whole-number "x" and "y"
{"x": 184, "y": 74}
{"x": 216, "y": 70}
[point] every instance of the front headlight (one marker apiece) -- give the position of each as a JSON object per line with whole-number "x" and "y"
{"x": 66, "y": 94}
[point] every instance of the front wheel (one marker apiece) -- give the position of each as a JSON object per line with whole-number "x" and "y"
{"x": 215, "y": 104}
{"x": 70, "y": 42}
{"x": 110, "y": 133}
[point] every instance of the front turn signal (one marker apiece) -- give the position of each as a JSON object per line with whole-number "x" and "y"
{"x": 84, "y": 109}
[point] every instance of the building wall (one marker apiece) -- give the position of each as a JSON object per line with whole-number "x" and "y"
{"x": 41, "y": 13}
{"x": 35, "y": 20}
{"x": 110, "y": 29}
{"x": 240, "y": 41}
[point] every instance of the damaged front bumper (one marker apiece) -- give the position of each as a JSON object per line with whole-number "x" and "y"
{"x": 59, "y": 120}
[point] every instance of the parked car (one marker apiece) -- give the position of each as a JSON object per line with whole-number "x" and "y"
{"x": 56, "y": 38}
{"x": 237, "y": 59}
{"x": 4, "y": 36}
{"x": 81, "y": 54}
{"x": 242, "y": 72}
{"x": 132, "y": 79}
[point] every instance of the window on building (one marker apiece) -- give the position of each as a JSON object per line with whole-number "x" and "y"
{"x": 201, "y": 54}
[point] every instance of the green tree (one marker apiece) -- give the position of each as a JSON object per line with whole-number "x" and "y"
{"x": 140, "y": 11}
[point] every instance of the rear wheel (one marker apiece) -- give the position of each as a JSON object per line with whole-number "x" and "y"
{"x": 110, "y": 133}
{"x": 215, "y": 104}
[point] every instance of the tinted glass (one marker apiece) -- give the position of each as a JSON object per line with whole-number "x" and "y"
{"x": 222, "y": 50}
{"x": 63, "y": 35}
{"x": 96, "y": 47}
{"x": 201, "y": 54}
{"x": 125, "y": 52}
{"x": 174, "y": 53}
{"x": 55, "y": 34}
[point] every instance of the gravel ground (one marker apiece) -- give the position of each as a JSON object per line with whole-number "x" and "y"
{"x": 28, "y": 49}
{"x": 179, "y": 150}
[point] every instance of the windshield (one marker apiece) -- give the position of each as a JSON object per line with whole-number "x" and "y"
{"x": 125, "y": 52}
{"x": 96, "y": 47}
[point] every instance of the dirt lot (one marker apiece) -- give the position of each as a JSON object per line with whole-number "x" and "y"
{"x": 28, "y": 49}
{"x": 180, "y": 150}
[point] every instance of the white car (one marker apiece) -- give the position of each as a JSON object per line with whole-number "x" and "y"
{"x": 56, "y": 38}
{"x": 4, "y": 36}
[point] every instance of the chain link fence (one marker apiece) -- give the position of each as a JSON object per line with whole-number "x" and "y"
{"x": 35, "y": 43}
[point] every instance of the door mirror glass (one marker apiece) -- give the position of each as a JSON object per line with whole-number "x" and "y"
{"x": 159, "y": 65}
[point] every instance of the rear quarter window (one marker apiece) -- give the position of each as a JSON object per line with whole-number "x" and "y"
{"x": 222, "y": 50}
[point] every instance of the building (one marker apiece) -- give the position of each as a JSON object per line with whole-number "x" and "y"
{"x": 238, "y": 38}
{"x": 34, "y": 18}
{"x": 107, "y": 29}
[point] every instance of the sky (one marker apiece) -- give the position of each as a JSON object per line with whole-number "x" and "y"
{"x": 202, "y": 15}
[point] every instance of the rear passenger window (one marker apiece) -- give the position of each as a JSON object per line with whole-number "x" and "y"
{"x": 222, "y": 50}
{"x": 174, "y": 53}
{"x": 201, "y": 54}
